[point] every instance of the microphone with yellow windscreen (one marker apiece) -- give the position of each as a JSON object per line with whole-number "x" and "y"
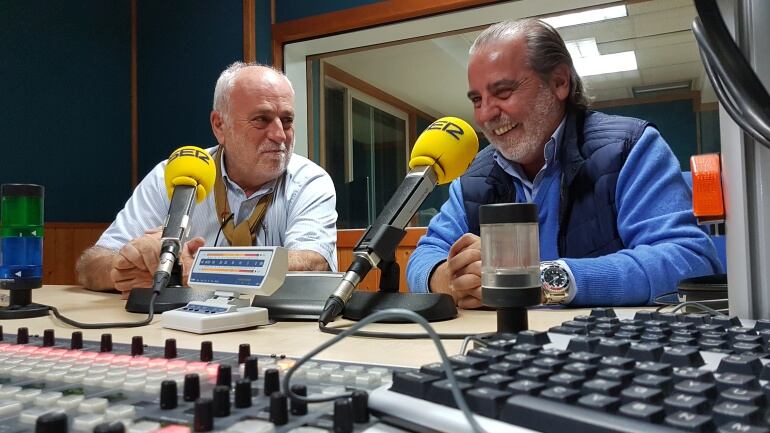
{"x": 189, "y": 176}
{"x": 441, "y": 154}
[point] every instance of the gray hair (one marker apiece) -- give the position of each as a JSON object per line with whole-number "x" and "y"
{"x": 545, "y": 51}
{"x": 226, "y": 81}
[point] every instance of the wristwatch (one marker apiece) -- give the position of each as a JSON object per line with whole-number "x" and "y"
{"x": 554, "y": 280}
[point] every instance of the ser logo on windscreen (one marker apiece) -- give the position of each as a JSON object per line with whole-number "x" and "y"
{"x": 197, "y": 153}
{"x": 450, "y": 128}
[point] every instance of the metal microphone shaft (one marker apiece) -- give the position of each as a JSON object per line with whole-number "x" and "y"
{"x": 174, "y": 230}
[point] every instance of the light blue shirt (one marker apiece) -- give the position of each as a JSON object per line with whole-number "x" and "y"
{"x": 302, "y": 215}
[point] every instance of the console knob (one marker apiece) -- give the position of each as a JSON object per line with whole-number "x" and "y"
{"x": 224, "y": 375}
{"x": 54, "y": 422}
{"x": 106, "y": 343}
{"x": 22, "y": 336}
{"x": 137, "y": 345}
{"x": 207, "y": 352}
{"x": 279, "y": 410}
{"x": 203, "y": 418}
{"x": 243, "y": 393}
{"x": 192, "y": 387}
{"x": 48, "y": 338}
{"x": 299, "y": 407}
{"x": 169, "y": 351}
{"x": 244, "y": 351}
{"x": 272, "y": 383}
{"x": 343, "y": 416}
{"x": 250, "y": 368}
{"x": 76, "y": 341}
{"x": 168, "y": 399}
{"x": 221, "y": 401}
{"x": 360, "y": 406}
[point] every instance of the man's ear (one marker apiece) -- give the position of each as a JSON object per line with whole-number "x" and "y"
{"x": 560, "y": 81}
{"x": 218, "y": 126}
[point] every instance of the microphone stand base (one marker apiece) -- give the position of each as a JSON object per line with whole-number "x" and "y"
{"x": 433, "y": 307}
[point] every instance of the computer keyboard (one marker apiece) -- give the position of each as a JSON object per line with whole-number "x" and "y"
{"x": 653, "y": 372}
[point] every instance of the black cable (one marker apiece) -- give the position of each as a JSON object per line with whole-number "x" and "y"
{"x": 222, "y": 227}
{"x": 734, "y": 81}
{"x": 150, "y": 315}
{"x": 391, "y": 335}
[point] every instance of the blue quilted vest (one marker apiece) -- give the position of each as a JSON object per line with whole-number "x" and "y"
{"x": 593, "y": 150}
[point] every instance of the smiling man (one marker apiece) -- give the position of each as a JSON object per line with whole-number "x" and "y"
{"x": 263, "y": 194}
{"x": 615, "y": 214}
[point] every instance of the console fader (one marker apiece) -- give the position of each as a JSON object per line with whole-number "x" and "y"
{"x": 56, "y": 385}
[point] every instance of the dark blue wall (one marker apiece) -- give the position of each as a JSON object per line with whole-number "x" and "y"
{"x": 182, "y": 48}
{"x": 65, "y": 87}
{"x": 675, "y": 121}
{"x": 286, "y": 10}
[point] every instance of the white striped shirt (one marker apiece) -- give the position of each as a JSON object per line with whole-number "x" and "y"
{"x": 302, "y": 215}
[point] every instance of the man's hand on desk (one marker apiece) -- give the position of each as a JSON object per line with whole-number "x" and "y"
{"x": 136, "y": 262}
{"x": 463, "y": 266}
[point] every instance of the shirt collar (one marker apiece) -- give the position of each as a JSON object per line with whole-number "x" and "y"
{"x": 550, "y": 151}
{"x": 234, "y": 187}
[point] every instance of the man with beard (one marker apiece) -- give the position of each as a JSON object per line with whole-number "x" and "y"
{"x": 263, "y": 194}
{"x": 615, "y": 214}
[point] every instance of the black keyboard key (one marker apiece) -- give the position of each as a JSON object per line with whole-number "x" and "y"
{"x": 600, "y": 402}
{"x": 583, "y": 344}
{"x": 692, "y": 373}
{"x": 567, "y": 330}
{"x": 682, "y": 356}
{"x": 538, "y": 338}
{"x": 641, "y": 393}
{"x": 653, "y": 338}
{"x": 551, "y": 416}
{"x": 468, "y": 375}
{"x": 696, "y": 318}
{"x": 555, "y": 353}
{"x": 644, "y": 315}
{"x": 566, "y": 380}
{"x": 668, "y": 317}
{"x": 739, "y": 427}
{"x": 561, "y": 393}
{"x": 710, "y": 328}
{"x": 585, "y": 318}
{"x": 743, "y": 396}
{"x": 726, "y": 321}
{"x": 742, "y": 364}
{"x": 503, "y": 345}
{"x": 645, "y": 351}
{"x": 747, "y": 348}
{"x": 656, "y": 381}
{"x": 617, "y": 362}
{"x": 494, "y": 380}
{"x": 582, "y": 369}
{"x": 616, "y": 374}
{"x": 440, "y": 392}
{"x": 686, "y": 402}
{"x": 691, "y": 422}
{"x": 601, "y": 333}
{"x": 725, "y": 381}
{"x": 682, "y": 340}
{"x": 603, "y": 312}
{"x": 748, "y": 338}
{"x": 602, "y": 386}
{"x": 486, "y": 401}
{"x": 588, "y": 358}
{"x": 712, "y": 344}
{"x": 526, "y": 348}
{"x": 628, "y": 335}
{"x": 520, "y": 359}
{"x": 412, "y": 383}
{"x": 525, "y": 387}
{"x": 550, "y": 364}
{"x": 434, "y": 369}
{"x": 694, "y": 387}
{"x": 534, "y": 374}
{"x": 586, "y": 326}
{"x": 505, "y": 368}
{"x": 659, "y": 368}
{"x": 761, "y": 324}
{"x": 655, "y": 324}
{"x": 683, "y": 327}
{"x": 733, "y": 331}
{"x": 631, "y": 328}
{"x": 464, "y": 361}
{"x": 644, "y": 411}
{"x": 715, "y": 335}
{"x": 493, "y": 355}
{"x": 726, "y": 412}
{"x": 613, "y": 347}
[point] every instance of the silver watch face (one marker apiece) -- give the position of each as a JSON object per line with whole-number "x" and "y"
{"x": 555, "y": 277}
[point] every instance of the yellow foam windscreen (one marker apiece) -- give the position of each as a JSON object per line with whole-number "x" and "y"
{"x": 448, "y": 145}
{"x": 191, "y": 166}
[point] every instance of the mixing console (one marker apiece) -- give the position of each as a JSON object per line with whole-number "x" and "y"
{"x": 55, "y": 385}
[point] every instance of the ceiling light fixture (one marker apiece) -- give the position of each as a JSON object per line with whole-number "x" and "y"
{"x": 588, "y": 61}
{"x": 589, "y": 16}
